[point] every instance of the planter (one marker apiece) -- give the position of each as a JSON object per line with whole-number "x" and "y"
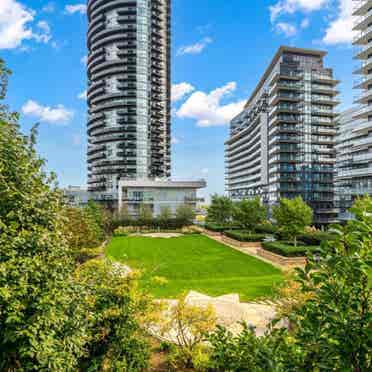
{"x": 238, "y": 243}
{"x": 281, "y": 260}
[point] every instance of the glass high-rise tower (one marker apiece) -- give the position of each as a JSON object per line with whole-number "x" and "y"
{"x": 282, "y": 144}
{"x": 128, "y": 92}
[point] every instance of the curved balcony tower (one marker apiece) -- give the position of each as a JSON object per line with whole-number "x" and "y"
{"x": 128, "y": 92}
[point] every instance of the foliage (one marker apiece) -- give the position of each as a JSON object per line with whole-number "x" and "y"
{"x": 266, "y": 228}
{"x": 249, "y": 213}
{"x": 145, "y": 215}
{"x": 330, "y": 320}
{"x": 194, "y": 262}
{"x": 50, "y": 319}
{"x": 220, "y": 210}
{"x": 244, "y": 352}
{"x": 289, "y": 297}
{"x": 165, "y": 214}
{"x": 245, "y": 236}
{"x": 41, "y": 323}
{"x": 288, "y": 250}
{"x": 292, "y": 216}
{"x": 316, "y": 237}
{"x": 80, "y": 229}
{"x": 190, "y": 323}
{"x": 216, "y": 228}
{"x": 116, "y": 308}
{"x": 186, "y": 214}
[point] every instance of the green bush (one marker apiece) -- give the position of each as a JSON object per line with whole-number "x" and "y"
{"x": 315, "y": 238}
{"x": 245, "y": 236}
{"x": 287, "y": 250}
{"x": 266, "y": 228}
{"x": 215, "y": 227}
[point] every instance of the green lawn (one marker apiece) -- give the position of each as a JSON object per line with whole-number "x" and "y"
{"x": 195, "y": 262}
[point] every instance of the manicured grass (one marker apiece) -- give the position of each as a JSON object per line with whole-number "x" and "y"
{"x": 195, "y": 262}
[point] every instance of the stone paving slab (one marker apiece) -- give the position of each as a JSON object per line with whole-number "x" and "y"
{"x": 230, "y": 312}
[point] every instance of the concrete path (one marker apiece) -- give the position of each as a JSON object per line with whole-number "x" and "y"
{"x": 230, "y": 312}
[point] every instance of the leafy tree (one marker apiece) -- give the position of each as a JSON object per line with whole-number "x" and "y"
{"x": 292, "y": 216}
{"x": 145, "y": 214}
{"x": 249, "y": 213}
{"x": 220, "y": 210}
{"x": 165, "y": 213}
{"x": 40, "y": 324}
{"x": 164, "y": 217}
{"x": 116, "y": 312}
{"x": 185, "y": 213}
{"x": 101, "y": 217}
{"x": 48, "y": 315}
{"x": 190, "y": 324}
{"x": 81, "y": 229}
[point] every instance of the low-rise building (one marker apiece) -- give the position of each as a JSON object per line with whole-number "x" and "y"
{"x": 76, "y": 196}
{"x": 158, "y": 194}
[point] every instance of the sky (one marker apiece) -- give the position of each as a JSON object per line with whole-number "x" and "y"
{"x": 220, "y": 49}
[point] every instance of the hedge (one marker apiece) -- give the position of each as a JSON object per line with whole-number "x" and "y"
{"x": 244, "y": 236}
{"x": 287, "y": 250}
{"x": 216, "y": 228}
{"x": 315, "y": 238}
{"x": 266, "y": 228}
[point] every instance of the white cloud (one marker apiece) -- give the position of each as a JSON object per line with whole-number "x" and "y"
{"x": 181, "y": 90}
{"x": 55, "y": 115}
{"x": 206, "y": 108}
{"x": 292, "y": 6}
{"x": 340, "y": 30}
{"x": 286, "y": 29}
{"x": 305, "y": 23}
{"x": 15, "y": 20}
{"x": 45, "y": 34}
{"x": 49, "y": 8}
{"x": 76, "y": 8}
{"x": 83, "y": 95}
{"x": 84, "y": 60}
{"x": 194, "y": 48}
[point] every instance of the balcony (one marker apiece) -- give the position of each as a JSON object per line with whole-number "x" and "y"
{"x": 364, "y": 67}
{"x": 362, "y": 37}
{"x": 324, "y": 78}
{"x": 364, "y": 51}
{"x": 364, "y": 97}
{"x": 364, "y": 113}
{"x": 360, "y": 7}
{"x": 364, "y": 20}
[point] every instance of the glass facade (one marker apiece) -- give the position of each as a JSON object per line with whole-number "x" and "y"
{"x": 128, "y": 92}
{"x": 297, "y": 153}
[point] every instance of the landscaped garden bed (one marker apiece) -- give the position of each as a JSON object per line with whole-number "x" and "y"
{"x": 245, "y": 236}
{"x": 195, "y": 262}
{"x": 287, "y": 250}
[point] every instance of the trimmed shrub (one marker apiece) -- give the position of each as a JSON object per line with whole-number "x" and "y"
{"x": 215, "y": 227}
{"x": 315, "y": 238}
{"x": 266, "y": 228}
{"x": 288, "y": 250}
{"x": 245, "y": 236}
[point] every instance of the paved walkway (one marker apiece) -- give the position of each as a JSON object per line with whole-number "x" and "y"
{"x": 230, "y": 312}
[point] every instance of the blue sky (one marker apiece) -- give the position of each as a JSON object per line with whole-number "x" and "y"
{"x": 220, "y": 50}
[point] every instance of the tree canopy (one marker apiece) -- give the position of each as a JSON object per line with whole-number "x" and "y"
{"x": 292, "y": 216}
